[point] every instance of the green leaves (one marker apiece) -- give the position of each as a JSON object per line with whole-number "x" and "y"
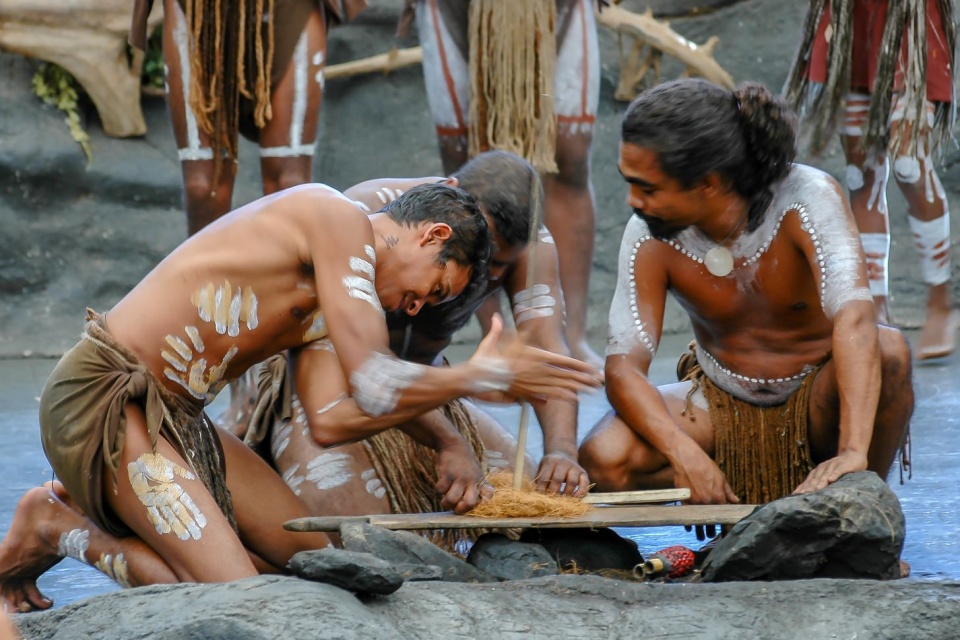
{"x": 56, "y": 87}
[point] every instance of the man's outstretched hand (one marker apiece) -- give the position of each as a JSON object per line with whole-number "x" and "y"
{"x": 517, "y": 371}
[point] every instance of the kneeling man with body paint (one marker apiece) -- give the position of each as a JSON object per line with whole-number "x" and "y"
{"x": 790, "y": 382}
{"x": 389, "y": 471}
{"x": 151, "y": 491}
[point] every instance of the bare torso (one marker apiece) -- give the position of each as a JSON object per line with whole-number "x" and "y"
{"x": 231, "y": 296}
{"x": 767, "y": 322}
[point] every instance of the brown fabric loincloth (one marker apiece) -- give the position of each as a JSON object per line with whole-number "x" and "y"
{"x": 764, "y": 452}
{"x": 83, "y": 426}
{"x": 407, "y": 469}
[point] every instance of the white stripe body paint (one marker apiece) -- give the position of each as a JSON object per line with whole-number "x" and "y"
{"x": 372, "y": 483}
{"x": 878, "y": 192}
{"x": 361, "y": 286}
{"x": 292, "y": 479}
{"x": 169, "y": 507}
{"x": 74, "y": 544}
{"x": 535, "y": 302}
{"x": 226, "y": 306}
{"x": 193, "y": 150}
{"x": 115, "y": 568}
{"x": 330, "y": 470}
{"x": 298, "y": 117}
{"x": 932, "y": 240}
{"x": 388, "y": 195}
{"x": 324, "y": 344}
{"x": 280, "y": 438}
{"x": 876, "y": 250}
{"x": 379, "y": 382}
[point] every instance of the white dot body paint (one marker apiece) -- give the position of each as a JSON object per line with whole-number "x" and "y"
{"x": 170, "y": 508}
{"x": 626, "y": 328}
{"x": 854, "y": 177}
{"x": 318, "y": 58}
{"x": 115, "y": 568}
{"x": 372, "y": 483}
{"x": 292, "y": 479}
{"x": 330, "y": 470}
{"x": 74, "y": 544}
{"x": 535, "y": 302}
{"x": 378, "y": 383}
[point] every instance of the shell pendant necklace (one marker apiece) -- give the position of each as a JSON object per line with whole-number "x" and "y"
{"x": 719, "y": 260}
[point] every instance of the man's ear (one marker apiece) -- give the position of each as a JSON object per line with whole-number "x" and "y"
{"x": 435, "y": 233}
{"x": 451, "y": 182}
{"x": 713, "y": 185}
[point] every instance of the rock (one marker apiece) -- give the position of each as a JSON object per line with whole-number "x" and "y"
{"x": 852, "y": 529}
{"x": 554, "y": 608}
{"x": 350, "y": 570}
{"x": 407, "y": 547}
{"x": 418, "y": 572}
{"x": 506, "y": 559}
{"x": 589, "y": 550}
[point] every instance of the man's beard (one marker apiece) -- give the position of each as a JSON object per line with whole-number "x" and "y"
{"x": 658, "y": 228}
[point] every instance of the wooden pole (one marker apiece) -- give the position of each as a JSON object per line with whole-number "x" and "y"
{"x": 384, "y": 62}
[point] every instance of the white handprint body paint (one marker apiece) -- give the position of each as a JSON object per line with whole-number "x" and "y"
{"x": 74, "y": 544}
{"x": 115, "y": 568}
{"x": 373, "y": 484}
{"x": 229, "y": 309}
{"x": 170, "y": 508}
{"x": 330, "y": 470}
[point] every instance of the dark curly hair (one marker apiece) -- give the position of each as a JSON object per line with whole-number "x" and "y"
{"x": 747, "y": 136}
{"x": 470, "y": 245}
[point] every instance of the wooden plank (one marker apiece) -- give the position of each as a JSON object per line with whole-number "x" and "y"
{"x": 651, "y": 496}
{"x": 640, "y": 516}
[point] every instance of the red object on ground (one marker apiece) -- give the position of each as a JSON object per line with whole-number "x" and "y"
{"x": 672, "y": 562}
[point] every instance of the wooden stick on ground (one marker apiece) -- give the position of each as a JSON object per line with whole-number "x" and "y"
{"x": 636, "y": 516}
{"x": 384, "y": 62}
{"x": 638, "y": 497}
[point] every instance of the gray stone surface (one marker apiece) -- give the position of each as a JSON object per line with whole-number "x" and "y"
{"x": 407, "y": 547}
{"x": 78, "y": 234}
{"x": 506, "y": 559}
{"x": 556, "y": 607}
{"x": 351, "y": 570}
{"x": 854, "y": 528}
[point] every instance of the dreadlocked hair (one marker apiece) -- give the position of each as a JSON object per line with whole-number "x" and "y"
{"x": 220, "y": 33}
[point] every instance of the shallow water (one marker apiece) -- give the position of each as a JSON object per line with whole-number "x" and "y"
{"x": 930, "y": 500}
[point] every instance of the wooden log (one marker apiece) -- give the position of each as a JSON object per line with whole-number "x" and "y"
{"x": 660, "y": 36}
{"x": 88, "y": 39}
{"x": 638, "y": 516}
{"x": 638, "y": 497}
{"x": 384, "y": 62}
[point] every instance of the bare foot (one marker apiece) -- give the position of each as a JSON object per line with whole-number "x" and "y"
{"x": 938, "y": 338}
{"x": 30, "y": 547}
{"x": 904, "y": 569}
{"x": 583, "y": 352}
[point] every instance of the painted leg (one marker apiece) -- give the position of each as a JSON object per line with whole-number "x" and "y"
{"x": 867, "y": 185}
{"x": 48, "y": 527}
{"x": 929, "y": 219}
{"x": 205, "y": 200}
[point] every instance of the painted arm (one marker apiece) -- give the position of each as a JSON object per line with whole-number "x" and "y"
{"x": 334, "y": 418}
{"x": 636, "y": 320}
{"x": 539, "y": 315}
{"x": 828, "y": 238}
{"x": 375, "y": 194}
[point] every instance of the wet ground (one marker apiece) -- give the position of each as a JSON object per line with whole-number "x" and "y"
{"x": 931, "y": 500}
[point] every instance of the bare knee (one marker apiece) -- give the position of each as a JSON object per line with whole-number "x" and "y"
{"x": 895, "y": 357}
{"x": 203, "y": 194}
{"x": 607, "y": 465}
{"x": 284, "y": 178}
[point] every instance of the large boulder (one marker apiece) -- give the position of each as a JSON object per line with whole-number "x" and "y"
{"x": 854, "y": 528}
